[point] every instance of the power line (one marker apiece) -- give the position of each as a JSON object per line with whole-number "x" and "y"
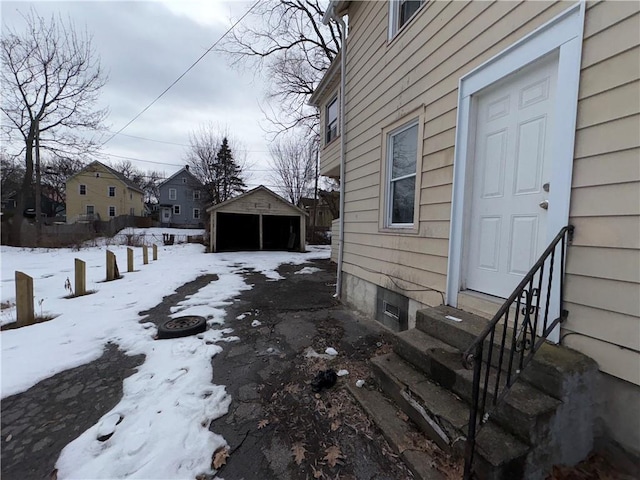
{"x": 181, "y": 144}
{"x": 149, "y": 139}
{"x": 183, "y": 73}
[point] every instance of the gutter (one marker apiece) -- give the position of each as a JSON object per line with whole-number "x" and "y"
{"x": 329, "y": 15}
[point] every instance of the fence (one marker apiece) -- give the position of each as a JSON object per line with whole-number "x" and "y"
{"x": 67, "y": 234}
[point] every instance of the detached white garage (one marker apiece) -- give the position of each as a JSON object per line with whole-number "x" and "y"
{"x": 256, "y": 220}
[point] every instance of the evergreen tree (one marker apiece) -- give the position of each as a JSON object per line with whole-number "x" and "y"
{"x": 228, "y": 178}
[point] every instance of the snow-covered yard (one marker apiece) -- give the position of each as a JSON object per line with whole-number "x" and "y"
{"x": 168, "y": 404}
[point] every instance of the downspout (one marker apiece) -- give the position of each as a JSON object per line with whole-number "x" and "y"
{"x": 331, "y": 15}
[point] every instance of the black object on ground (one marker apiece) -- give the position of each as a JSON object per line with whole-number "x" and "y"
{"x": 324, "y": 379}
{"x": 182, "y": 327}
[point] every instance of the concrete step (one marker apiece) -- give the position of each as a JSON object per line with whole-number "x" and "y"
{"x": 443, "y": 417}
{"x": 553, "y": 369}
{"x": 525, "y": 411}
{"x": 396, "y": 431}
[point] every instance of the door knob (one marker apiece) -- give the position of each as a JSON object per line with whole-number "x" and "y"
{"x": 544, "y": 204}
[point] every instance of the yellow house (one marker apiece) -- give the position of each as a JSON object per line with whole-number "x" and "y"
{"x": 98, "y": 192}
{"x": 468, "y": 135}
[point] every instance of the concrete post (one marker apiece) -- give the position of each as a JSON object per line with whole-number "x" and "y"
{"x": 145, "y": 255}
{"x": 129, "y": 259}
{"x": 24, "y": 299}
{"x": 112, "y": 266}
{"x": 155, "y": 251}
{"x": 81, "y": 277}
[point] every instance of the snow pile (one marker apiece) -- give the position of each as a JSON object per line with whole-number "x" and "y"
{"x": 307, "y": 270}
{"x": 160, "y": 427}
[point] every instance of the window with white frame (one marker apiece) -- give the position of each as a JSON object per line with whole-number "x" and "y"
{"x": 400, "y": 12}
{"x": 112, "y": 211}
{"x": 90, "y": 210}
{"x": 402, "y": 155}
{"x": 112, "y": 191}
{"x": 331, "y": 120}
{"x": 176, "y": 209}
{"x": 196, "y": 194}
{"x": 172, "y": 194}
{"x": 83, "y": 189}
{"x": 196, "y": 213}
{"x": 184, "y": 180}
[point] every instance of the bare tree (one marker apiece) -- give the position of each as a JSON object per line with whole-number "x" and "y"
{"x": 55, "y": 172}
{"x": 11, "y": 175}
{"x": 51, "y": 79}
{"x": 288, "y": 42}
{"x": 293, "y": 159}
{"x": 212, "y": 169}
{"x": 148, "y": 181}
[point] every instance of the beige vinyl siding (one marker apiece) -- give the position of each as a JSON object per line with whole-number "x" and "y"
{"x": 386, "y": 81}
{"x": 603, "y": 265}
{"x": 420, "y": 68}
{"x": 330, "y": 152}
{"x": 259, "y": 202}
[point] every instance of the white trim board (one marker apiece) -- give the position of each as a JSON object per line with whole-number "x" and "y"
{"x": 563, "y": 35}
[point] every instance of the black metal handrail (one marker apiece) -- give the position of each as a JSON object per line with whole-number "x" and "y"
{"x": 520, "y": 344}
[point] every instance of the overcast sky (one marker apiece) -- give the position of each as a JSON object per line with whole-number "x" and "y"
{"x": 146, "y": 45}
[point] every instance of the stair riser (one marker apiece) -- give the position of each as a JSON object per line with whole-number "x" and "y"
{"x": 393, "y": 390}
{"x": 454, "y": 435}
{"x": 526, "y": 428}
{"x": 542, "y": 377}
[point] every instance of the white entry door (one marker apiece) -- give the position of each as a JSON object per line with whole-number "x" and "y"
{"x": 514, "y": 125}
{"x": 166, "y": 215}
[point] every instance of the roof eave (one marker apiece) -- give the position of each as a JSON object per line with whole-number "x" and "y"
{"x": 332, "y": 72}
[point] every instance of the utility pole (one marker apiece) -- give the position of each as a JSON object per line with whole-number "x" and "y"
{"x": 38, "y": 187}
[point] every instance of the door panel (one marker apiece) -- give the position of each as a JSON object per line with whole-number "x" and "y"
{"x": 507, "y": 226}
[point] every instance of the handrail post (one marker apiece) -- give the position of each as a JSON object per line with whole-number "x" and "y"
{"x": 523, "y": 327}
{"x": 473, "y": 417}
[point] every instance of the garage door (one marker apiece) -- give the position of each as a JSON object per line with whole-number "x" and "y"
{"x": 280, "y": 232}
{"x": 236, "y": 231}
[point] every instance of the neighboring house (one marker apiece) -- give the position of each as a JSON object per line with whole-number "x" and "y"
{"x": 52, "y": 206}
{"x": 323, "y": 214}
{"x": 474, "y": 132}
{"x": 98, "y": 192}
{"x": 256, "y": 220}
{"x": 182, "y": 200}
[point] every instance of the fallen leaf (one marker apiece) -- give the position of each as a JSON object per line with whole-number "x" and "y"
{"x": 298, "y": 452}
{"x": 317, "y": 472}
{"x": 403, "y": 416}
{"x": 334, "y": 410}
{"x": 54, "y": 474}
{"x": 333, "y": 455}
{"x": 220, "y": 457}
{"x": 262, "y": 424}
{"x": 335, "y": 425}
{"x": 292, "y": 388}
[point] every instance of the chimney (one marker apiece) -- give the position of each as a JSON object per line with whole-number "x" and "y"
{"x": 186, "y": 167}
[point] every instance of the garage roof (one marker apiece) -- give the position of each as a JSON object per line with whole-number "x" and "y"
{"x": 244, "y": 198}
